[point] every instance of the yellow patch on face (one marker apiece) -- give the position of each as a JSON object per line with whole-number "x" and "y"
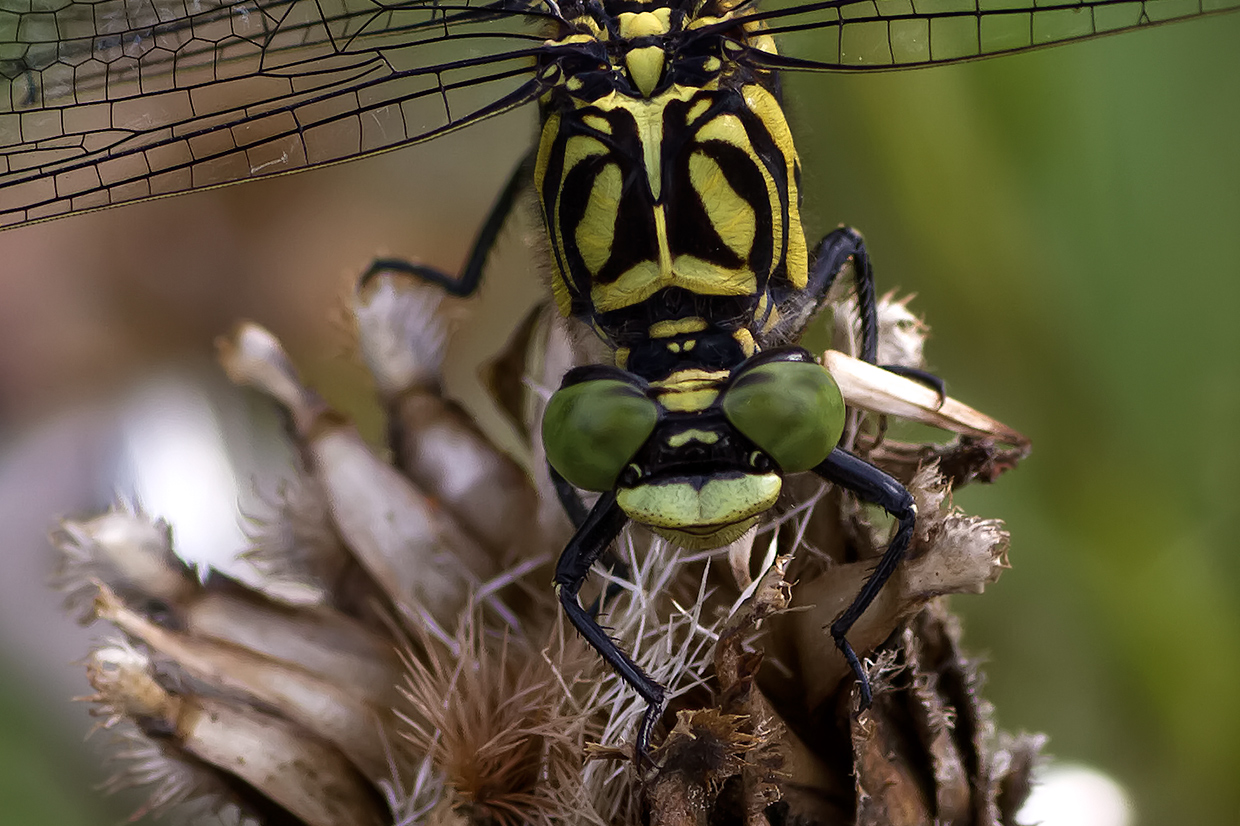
{"x": 690, "y": 390}
{"x": 688, "y": 401}
{"x": 706, "y": 437}
{"x": 707, "y": 539}
{"x": 677, "y": 326}
{"x": 692, "y": 379}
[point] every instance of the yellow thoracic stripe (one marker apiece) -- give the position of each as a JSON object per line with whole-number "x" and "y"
{"x": 618, "y": 238}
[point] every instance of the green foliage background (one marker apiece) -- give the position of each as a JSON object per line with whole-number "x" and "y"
{"x": 1070, "y": 220}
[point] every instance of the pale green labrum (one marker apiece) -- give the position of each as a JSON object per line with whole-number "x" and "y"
{"x": 793, "y": 410}
{"x": 704, "y": 503}
{"x": 592, "y": 430}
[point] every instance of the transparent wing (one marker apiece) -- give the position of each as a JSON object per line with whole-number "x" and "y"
{"x": 109, "y": 101}
{"x": 895, "y": 34}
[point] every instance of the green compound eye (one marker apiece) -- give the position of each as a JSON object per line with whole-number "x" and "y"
{"x": 793, "y": 410}
{"x": 592, "y": 430}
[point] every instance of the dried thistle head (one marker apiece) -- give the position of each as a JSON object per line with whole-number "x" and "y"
{"x": 399, "y": 658}
{"x": 496, "y": 717}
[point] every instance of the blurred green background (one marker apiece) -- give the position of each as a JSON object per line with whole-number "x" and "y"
{"x": 1070, "y": 221}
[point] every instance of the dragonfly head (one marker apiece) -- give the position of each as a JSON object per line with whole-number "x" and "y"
{"x": 698, "y": 457}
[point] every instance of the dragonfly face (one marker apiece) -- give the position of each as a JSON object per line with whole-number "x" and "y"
{"x": 698, "y": 457}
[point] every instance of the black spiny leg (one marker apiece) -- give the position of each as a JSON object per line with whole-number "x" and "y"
{"x": 577, "y": 512}
{"x": 569, "y": 498}
{"x": 467, "y": 282}
{"x": 834, "y": 251}
{"x": 876, "y": 487}
{"x": 601, "y": 527}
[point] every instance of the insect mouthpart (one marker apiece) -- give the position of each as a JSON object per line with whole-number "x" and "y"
{"x": 698, "y": 511}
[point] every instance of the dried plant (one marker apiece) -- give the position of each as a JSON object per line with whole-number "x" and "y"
{"x": 398, "y": 656}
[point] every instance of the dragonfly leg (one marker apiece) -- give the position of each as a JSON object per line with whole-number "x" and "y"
{"x": 594, "y": 536}
{"x": 874, "y": 486}
{"x": 467, "y": 281}
{"x": 569, "y": 498}
{"x": 798, "y": 307}
{"x": 835, "y": 250}
{"x": 577, "y": 512}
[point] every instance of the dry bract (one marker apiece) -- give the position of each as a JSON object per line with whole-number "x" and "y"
{"x": 400, "y": 658}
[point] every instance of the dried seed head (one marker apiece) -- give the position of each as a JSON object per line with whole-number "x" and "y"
{"x": 124, "y": 548}
{"x": 125, "y": 687}
{"x": 281, "y": 701}
{"x": 967, "y": 552}
{"x": 434, "y": 441}
{"x": 703, "y": 750}
{"x": 412, "y": 551}
{"x": 496, "y": 719}
{"x": 399, "y": 330}
{"x": 251, "y": 356}
{"x": 293, "y": 544}
{"x": 901, "y": 334}
{"x": 127, "y": 691}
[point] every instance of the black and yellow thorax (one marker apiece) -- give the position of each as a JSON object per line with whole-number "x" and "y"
{"x": 668, "y": 180}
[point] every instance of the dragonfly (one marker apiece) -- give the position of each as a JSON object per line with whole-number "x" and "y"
{"x": 115, "y": 102}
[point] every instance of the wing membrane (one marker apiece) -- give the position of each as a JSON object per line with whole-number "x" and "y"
{"x": 109, "y": 101}
{"x": 121, "y": 100}
{"x": 898, "y": 34}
